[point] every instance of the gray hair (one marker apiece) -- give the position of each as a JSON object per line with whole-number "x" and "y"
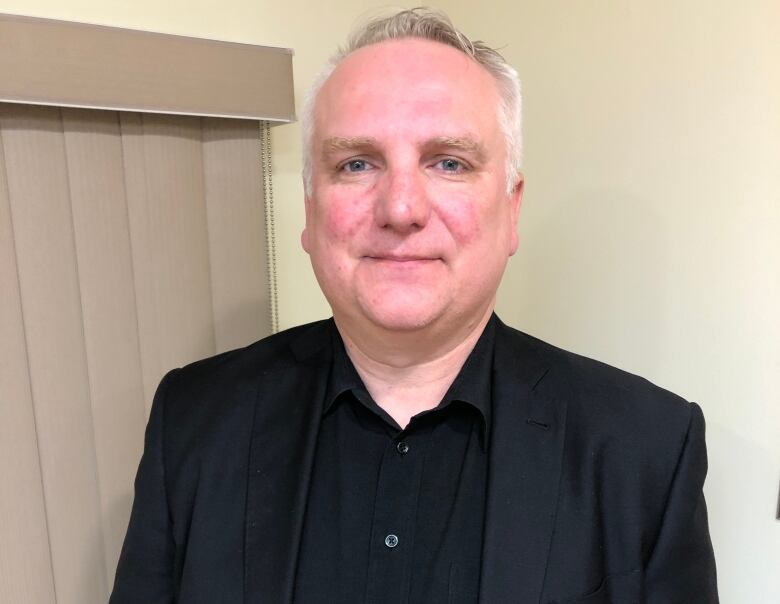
{"x": 433, "y": 25}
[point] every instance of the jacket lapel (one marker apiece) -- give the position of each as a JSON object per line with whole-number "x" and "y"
{"x": 284, "y": 437}
{"x": 527, "y": 436}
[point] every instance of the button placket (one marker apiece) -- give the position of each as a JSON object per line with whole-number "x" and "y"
{"x": 390, "y": 555}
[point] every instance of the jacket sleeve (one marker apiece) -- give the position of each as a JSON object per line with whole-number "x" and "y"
{"x": 144, "y": 572}
{"x": 681, "y": 568}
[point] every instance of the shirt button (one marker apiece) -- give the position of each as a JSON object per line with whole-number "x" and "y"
{"x": 402, "y": 448}
{"x": 391, "y": 541}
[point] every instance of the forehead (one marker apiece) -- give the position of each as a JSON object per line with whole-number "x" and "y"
{"x": 407, "y": 88}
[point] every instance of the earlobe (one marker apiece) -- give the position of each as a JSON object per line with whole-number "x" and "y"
{"x": 305, "y": 231}
{"x": 516, "y": 199}
{"x": 305, "y": 240}
{"x": 514, "y": 242}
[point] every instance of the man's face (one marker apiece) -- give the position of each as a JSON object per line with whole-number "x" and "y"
{"x": 409, "y": 224}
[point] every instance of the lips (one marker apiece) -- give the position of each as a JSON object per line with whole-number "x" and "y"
{"x": 404, "y": 267}
{"x": 394, "y": 258}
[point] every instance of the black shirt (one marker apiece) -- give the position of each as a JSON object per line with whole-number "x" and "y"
{"x": 396, "y": 515}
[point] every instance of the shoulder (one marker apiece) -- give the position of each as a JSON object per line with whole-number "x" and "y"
{"x": 624, "y": 439}
{"x": 604, "y": 405}
{"x": 221, "y": 390}
{"x": 268, "y": 354}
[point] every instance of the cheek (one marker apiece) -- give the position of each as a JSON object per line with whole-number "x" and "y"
{"x": 478, "y": 224}
{"x": 342, "y": 218}
{"x": 461, "y": 215}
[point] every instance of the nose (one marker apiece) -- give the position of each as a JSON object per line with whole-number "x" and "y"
{"x": 403, "y": 205}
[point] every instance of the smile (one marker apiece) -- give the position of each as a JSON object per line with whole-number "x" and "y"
{"x": 402, "y": 260}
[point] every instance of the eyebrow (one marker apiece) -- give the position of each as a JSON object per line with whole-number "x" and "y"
{"x": 459, "y": 143}
{"x": 338, "y": 143}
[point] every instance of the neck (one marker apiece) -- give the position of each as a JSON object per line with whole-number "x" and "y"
{"x": 406, "y": 380}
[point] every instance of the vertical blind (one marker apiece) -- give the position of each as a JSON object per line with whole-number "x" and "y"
{"x": 130, "y": 243}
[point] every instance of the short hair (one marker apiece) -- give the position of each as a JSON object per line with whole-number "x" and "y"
{"x": 433, "y": 25}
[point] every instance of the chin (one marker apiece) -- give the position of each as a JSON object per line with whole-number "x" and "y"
{"x": 402, "y": 317}
{"x": 401, "y": 323}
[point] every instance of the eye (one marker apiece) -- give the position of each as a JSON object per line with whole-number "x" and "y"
{"x": 449, "y": 164}
{"x": 356, "y": 165}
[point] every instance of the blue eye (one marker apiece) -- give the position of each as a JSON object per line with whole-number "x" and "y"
{"x": 355, "y": 165}
{"x": 451, "y": 165}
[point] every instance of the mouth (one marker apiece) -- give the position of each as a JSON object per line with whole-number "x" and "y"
{"x": 406, "y": 266}
{"x": 402, "y": 259}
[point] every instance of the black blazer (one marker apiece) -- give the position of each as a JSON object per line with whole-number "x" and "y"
{"x": 594, "y": 482}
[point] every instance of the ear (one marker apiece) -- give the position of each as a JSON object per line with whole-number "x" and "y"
{"x": 515, "y": 201}
{"x": 308, "y": 207}
{"x": 305, "y": 243}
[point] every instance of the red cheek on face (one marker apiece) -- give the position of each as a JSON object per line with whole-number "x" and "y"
{"x": 345, "y": 215}
{"x": 461, "y": 216}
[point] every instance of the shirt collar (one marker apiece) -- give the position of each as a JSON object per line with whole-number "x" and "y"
{"x": 471, "y": 386}
{"x": 343, "y": 375}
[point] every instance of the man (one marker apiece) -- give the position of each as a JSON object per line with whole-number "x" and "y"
{"x": 414, "y": 448}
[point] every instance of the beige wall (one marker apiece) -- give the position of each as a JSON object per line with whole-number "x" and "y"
{"x": 651, "y": 226}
